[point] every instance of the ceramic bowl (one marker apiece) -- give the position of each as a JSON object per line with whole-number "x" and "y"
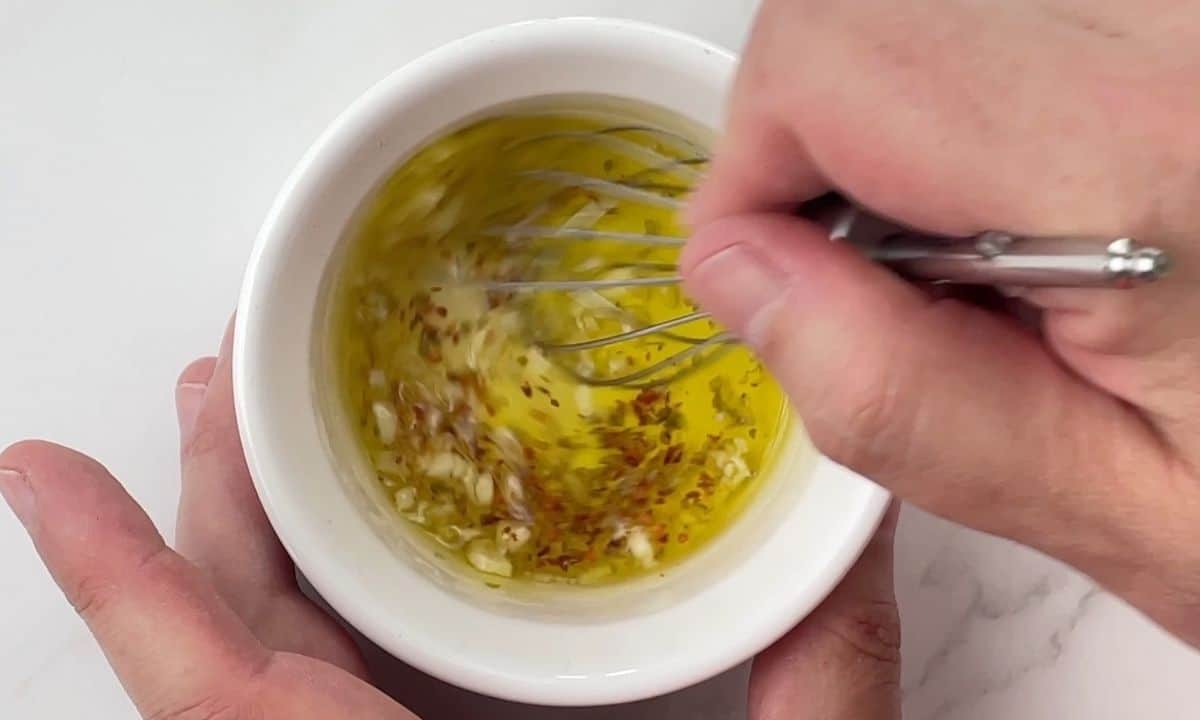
{"x": 546, "y": 645}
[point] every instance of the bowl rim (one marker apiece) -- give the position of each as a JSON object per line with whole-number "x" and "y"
{"x": 321, "y": 570}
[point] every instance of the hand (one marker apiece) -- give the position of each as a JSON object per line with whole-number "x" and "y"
{"x": 1046, "y": 118}
{"x": 220, "y": 629}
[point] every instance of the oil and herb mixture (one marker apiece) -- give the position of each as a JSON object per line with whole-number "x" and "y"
{"x": 487, "y": 440}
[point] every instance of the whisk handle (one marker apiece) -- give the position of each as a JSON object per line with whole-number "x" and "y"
{"x": 1001, "y": 259}
{"x": 992, "y": 258}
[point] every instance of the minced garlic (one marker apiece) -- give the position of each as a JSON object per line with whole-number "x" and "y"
{"x": 488, "y": 442}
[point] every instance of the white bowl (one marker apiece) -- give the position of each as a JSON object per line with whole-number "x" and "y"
{"x": 554, "y": 646}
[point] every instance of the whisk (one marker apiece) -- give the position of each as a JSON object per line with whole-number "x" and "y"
{"x": 991, "y": 258}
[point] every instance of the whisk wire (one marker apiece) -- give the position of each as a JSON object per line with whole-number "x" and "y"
{"x": 650, "y": 376}
{"x": 573, "y": 285}
{"x": 544, "y": 232}
{"x": 608, "y": 188}
{"x": 650, "y": 186}
{"x": 657, "y": 328}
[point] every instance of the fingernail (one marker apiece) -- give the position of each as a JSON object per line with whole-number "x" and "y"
{"x": 188, "y": 399}
{"x": 227, "y": 338}
{"x": 17, "y": 492}
{"x": 741, "y": 288}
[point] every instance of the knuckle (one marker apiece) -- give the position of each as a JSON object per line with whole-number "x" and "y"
{"x": 210, "y": 438}
{"x": 868, "y": 411}
{"x": 237, "y": 701}
{"x": 209, "y": 707}
{"x": 89, "y": 596}
{"x": 865, "y": 423}
{"x": 869, "y": 630}
{"x": 878, "y": 411}
{"x": 92, "y": 593}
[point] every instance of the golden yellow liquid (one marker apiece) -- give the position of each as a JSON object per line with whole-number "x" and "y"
{"x": 486, "y": 439}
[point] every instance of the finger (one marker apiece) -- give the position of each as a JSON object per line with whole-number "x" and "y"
{"x": 952, "y": 407}
{"x": 189, "y": 392}
{"x": 166, "y": 633}
{"x": 1142, "y": 345}
{"x": 221, "y": 525}
{"x": 843, "y": 661}
{"x": 760, "y": 164}
{"x": 223, "y": 529}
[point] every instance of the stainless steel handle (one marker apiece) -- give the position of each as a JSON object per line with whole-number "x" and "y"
{"x": 991, "y": 258}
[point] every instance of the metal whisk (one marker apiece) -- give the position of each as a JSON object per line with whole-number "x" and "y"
{"x": 991, "y": 258}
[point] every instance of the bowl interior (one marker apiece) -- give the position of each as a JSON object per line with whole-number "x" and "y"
{"x": 551, "y": 645}
{"x": 787, "y": 475}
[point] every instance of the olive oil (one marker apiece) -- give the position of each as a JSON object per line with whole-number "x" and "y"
{"x": 487, "y": 441}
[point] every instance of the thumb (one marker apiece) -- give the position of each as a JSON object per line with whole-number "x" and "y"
{"x": 950, "y": 406}
{"x": 843, "y": 660}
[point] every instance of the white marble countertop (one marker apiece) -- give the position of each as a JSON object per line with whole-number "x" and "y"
{"x": 140, "y": 144}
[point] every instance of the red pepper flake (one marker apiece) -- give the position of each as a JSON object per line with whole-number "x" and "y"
{"x": 441, "y": 311}
{"x": 526, "y": 389}
{"x": 647, "y": 396}
{"x": 649, "y": 408}
{"x": 633, "y": 456}
{"x": 674, "y": 454}
{"x": 683, "y": 537}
